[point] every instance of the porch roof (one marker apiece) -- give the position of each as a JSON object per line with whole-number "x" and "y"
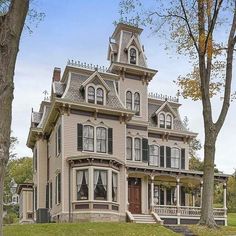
{"x": 155, "y": 171}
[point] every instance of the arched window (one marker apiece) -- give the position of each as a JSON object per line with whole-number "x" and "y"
{"x": 162, "y": 120}
{"x": 88, "y": 138}
{"x": 168, "y": 122}
{"x": 137, "y": 149}
{"x": 101, "y": 139}
{"x": 129, "y": 100}
{"x": 175, "y": 157}
{"x": 133, "y": 56}
{"x": 154, "y": 155}
{"x": 100, "y": 96}
{"x": 129, "y": 148}
{"x": 91, "y": 94}
{"x": 137, "y": 103}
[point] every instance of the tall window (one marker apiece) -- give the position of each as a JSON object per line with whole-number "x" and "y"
{"x": 82, "y": 184}
{"x": 162, "y": 120}
{"x": 129, "y": 153}
{"x": 58, "y": 140}
{"x": 101, "y": 139}
{"x": 58, "y": 189}
{"x": 137, "y": 103}
{"x": 35, "y": 158}
{"x": 50, "y": 195}
{"x": 88, "y": 138}
{"x": 100, "y": 185}
{"x": 168, "y": 122}
{"x": 129, "y": 100}
{"x": 133, "y": 56}
{"x": 100, "y": 96}
{"x": 154, "y": 155}
{"x": 91, "y": 94}
{"x": 114, "y": 186}
{"x": 175, "y": 158}
{"x": 137, "y": 149}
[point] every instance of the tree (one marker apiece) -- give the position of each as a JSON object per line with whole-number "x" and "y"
{"x": 12, "y": 21}
{"x": 203, "y": 30}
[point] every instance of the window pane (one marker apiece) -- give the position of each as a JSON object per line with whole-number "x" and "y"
{"x": 154, "y": 155}
{"x": 129, "y": 148}
{"x": 168, "y": 122}
{"x": 100, "y": 185}
{"x": 88, "y": 138}
{"x": 91, "y": 94}
{"x": 162, "y": 120}
{"x": 137, "y": 103}
{"x": 175, "y": 157}
{"x": 101, "y": 139}
{"x": 82, "y": 184}
{"x": 114, "y": 186}
{"x": 100, "y": 96}
{"x": 133, "y": 56}
{"x": 129, "y": 100}
{"x": 137, "y": 149}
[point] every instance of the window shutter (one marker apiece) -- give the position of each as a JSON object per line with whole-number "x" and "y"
{"x": 162, "y": 197}
{"x": 50, "y": 195}
{"x": 59, "y": 187}
{"x": 162, "y": 156}
{"x": 168, "y": 157}
{"x": 183, "y": 158}
{"x": 145, "y": 149}
{"x": 47, "y": 195}
{"x": 80, "y": 137}
{"x": 110, "y": 140}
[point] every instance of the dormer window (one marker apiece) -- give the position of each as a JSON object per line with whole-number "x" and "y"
{"x": 100, "y": 96}
{"x": 162, "y": 120}
{"x": 168, "y": 122}
{"x": 133, "y": 55}
{"x": 91, "y": 94}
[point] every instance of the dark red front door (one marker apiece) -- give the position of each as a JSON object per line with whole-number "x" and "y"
{"x": 134, "y": 195}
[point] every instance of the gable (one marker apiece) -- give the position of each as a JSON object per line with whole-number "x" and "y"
{"x": 166, "y": 108}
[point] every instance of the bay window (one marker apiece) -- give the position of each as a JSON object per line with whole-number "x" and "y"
{"x": 100, "y": 185}
{"x": 114, "y": 186}
{"x": 88, "y": 138}
{"x": 82, "y": 184}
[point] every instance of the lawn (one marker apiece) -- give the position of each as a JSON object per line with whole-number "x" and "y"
{"x": 87, "y": 229}
{"x": 232, "y": 219}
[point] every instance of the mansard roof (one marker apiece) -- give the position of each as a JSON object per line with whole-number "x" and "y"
{"x": 58, "y": 88}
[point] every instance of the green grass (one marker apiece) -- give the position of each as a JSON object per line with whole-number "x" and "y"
{"x": 232, "y": 219}
{"x": 87, "y": 229}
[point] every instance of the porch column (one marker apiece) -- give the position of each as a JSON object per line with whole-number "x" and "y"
{"x": 201, "y": 189}
{"x": 152, "y": 193}
{"x": 225, "y": 199}
{"x": 127, "y": 190}
{"x": 178, "y": 200}
{"x": 193, "y": 199}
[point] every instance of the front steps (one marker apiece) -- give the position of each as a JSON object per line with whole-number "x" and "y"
{"x": 143, "y": 219}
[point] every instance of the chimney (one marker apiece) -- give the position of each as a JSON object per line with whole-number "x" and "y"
{"x": 56, "y": 74}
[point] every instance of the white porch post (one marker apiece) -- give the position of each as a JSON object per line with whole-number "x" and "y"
{"x": 152, "y": 193}
{"x": 178, "y": 200}
{"x": 201, "y": 190}
{"x": 225, "y": 202}
{"x": 127, "y": 190}
{"x": 193, "y": 199}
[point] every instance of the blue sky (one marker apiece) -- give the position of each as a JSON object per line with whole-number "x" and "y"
{"x": 80, "y": 30}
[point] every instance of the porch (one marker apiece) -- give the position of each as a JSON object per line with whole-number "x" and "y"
{"x": 174, "y": 195}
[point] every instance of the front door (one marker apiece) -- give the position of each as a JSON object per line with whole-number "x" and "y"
{"x": 134, "y": 195}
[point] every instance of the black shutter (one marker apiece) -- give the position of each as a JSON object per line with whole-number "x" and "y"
{"x": 168, "y": 157}
{"x": 182, "y": 194}
{"x": 50, "y": 201}
{"x": 80, "y": 137}
{"x": 145, "y": 149}
{"x": 59, "y": 187}
{"x": 47, "y": 195}
{"x": 110, "y": 140}
{"x": 162, "y": 200}
{"x": 183, "y": 158}
{"x": 162, "y": 156}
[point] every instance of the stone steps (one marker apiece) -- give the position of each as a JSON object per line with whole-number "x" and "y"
{"x": 144, "y": 219}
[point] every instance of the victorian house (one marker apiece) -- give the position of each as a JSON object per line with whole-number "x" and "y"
{"x": 105, "y": 149}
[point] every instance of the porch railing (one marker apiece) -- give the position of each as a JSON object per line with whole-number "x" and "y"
{"x": 167, "y": 210}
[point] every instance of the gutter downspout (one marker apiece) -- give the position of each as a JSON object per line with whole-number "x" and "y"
{"x": 70, "y": 162}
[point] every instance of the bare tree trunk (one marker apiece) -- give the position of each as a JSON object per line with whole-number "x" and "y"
{"x": 11, "y": 26}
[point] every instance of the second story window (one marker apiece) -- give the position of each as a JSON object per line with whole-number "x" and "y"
{"x": 88, "y": 138}
{"x": 137, "y": 103}
{"x": 162, "y": 120}
{"x": 129, "y": 148}
{"x": 129, "y": 100}
{"x": 137, "y": 149}
{"x": 101, "y": 139}
{"x": 91, "y": 94}
{"x": 100, "y": 96}
{"x": 175, "y": 158}
{"x": 133, "y": 56}
{"x": 58, "y": 140}
{"x": 154, "y": 155}
{"x": 168, "y": 122}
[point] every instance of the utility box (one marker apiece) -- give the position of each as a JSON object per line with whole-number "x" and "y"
{"x": 42, "y": 215}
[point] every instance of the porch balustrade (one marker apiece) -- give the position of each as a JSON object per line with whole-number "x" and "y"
{"x": 164, "y": 210}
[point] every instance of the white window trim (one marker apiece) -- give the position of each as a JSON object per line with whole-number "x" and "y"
{"x": 133, "y": 148}
{"x": 137, "y": 55}
{"x": 132, "y": 105}
{"x": 95, "y": 138}
{"x": 166, "y": 114}
{"x": 95, "y": 91}
{"x": 158, "y": 158}
{"x": 175, "y": 158}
